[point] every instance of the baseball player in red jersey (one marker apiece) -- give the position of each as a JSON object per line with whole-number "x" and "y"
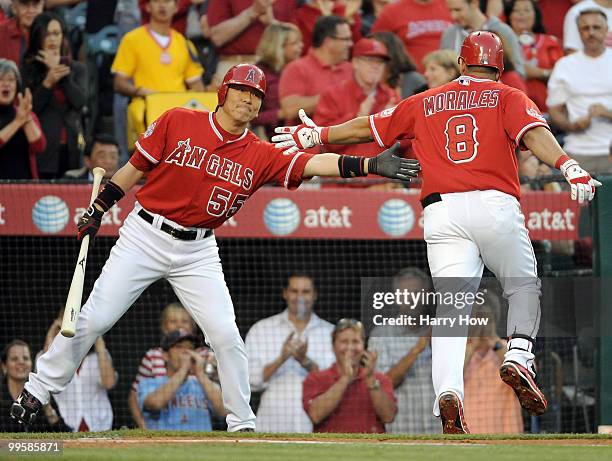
{"x": 464, "y": 135}
{"x": 201, "y": 167}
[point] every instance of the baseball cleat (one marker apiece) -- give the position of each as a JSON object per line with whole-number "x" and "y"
{"x": 25, "y": 408}
{"x": 520, "y": 379}
{"x": 451, "y": 413}
{"x": 246, "y": 429}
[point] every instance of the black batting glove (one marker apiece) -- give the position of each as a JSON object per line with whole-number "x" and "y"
{"x": 391, "y": 166}
{"x": 89, "y": 222}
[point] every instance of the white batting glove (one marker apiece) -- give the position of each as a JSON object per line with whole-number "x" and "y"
{"x": 581, "y": 183}
{"x": 300, "y": 137}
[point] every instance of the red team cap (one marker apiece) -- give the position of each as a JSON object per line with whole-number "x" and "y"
{"x": 370, "y": 47}
{"x": 483, "y": 48}
{"x": 242, "y": 74}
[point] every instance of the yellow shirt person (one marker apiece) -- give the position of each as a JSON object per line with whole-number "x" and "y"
{"x": 157, "y": 63}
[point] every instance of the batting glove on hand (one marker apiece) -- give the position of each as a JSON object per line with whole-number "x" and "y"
{"x": 389, "y": 165}
{"x": 299, "y": 137}
{"x": 90, "y": 222}
{"x": 581, "y": 183}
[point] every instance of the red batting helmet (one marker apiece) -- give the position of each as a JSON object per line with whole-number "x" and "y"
{"x": 242, "y": 74}
{"x": 483, "y": 48}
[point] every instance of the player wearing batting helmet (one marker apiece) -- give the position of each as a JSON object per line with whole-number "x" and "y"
{"x": 201, "y": 168}
{"x": 465, "y": 134}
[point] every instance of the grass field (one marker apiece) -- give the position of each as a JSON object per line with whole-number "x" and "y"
{"x": 134, "y": 445}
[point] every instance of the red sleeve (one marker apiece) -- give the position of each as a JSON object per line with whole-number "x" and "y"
{"x": 218, "y": 11}
{"x": 394, "y": 123}
{"x": 284, "y": 170}
{"x": 312, "y": 387}
{"x": 519, "y": 115}
{"x": 150, "y": 145}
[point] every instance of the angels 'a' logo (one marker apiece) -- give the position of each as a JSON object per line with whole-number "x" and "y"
{"x": 535, "y": 114}
{"x": 250, "y": 76}
{"x": 387, "y": 112}
{"x": 150, "y": 129}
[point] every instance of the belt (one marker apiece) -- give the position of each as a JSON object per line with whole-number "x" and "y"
{"x": 176, "y": 233}
{"x": 430, "y": 199}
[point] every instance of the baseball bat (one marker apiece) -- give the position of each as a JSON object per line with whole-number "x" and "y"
{"x": 75, "y": 294}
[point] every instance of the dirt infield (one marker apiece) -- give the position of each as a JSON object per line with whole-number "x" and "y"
{"x": 103, "y": 442}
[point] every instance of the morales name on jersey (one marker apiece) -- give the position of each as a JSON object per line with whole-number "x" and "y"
{"x": 460, "y": 101}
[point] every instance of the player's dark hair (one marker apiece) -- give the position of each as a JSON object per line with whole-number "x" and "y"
{"x": 325, "y": 27}
{"x": 538, "y": 25}
{"x": 13, "y": 343}
{"x": 602, "y": 13}
{"x": 100, "y": 138}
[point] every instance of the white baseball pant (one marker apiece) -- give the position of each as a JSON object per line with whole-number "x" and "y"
{"x": 142, "y": 255}
{"x": 464, "y": 231}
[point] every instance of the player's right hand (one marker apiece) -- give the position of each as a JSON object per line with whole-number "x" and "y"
{"x": 581, "y": 183}
{"x": 300, "y": 137}
{"x": 89, "y": 222}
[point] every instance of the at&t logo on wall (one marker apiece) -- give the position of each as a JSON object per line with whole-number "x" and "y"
{"x": 395, "y": 217}
{"x": 50, "y": 214}
{"x": 281, "y": 216}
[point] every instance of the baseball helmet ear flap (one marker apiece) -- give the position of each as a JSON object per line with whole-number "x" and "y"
{"x": 242, "y": 74}
{"x": 483, "y": 48}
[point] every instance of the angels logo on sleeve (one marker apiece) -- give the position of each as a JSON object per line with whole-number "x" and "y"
{"x": 535, "y": 113}
{"x": 150, "y": 129}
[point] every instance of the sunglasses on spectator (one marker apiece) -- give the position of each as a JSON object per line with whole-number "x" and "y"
{"x": 345, "y": 324}
{"x": 344, "y": 39}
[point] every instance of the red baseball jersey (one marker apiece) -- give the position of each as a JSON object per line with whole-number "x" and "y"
{"x": 464, "y": 134}
{"x": 200, "y": 175}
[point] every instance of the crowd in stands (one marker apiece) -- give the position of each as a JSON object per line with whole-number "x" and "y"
{"x": 311, "y": 375}
{"x": 334, "y": 59}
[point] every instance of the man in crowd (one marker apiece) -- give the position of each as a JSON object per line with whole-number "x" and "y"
{"x": 101, "y": 151}
{"x": 468, "y": 17}
{"x": 326, "y": 63}
{"x": 580, "y": 95}
{"x": 184, "y": 398}
{"x": 572, "y": 40}
{"x": 362, "y": 94}
{"x": 349, "y": 396}
{"x": 404, "y": 355}
{"x": 282, "y": 350}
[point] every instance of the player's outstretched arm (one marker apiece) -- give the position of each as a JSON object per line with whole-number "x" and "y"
{"x": 385, "y": 164}
{"x": 544, "y": 146}
{"x": 121, "y": 182}
{"x": 308, "y": 134}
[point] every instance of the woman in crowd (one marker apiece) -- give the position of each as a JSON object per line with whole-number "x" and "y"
{"x": 541, "y": 51}
{"x": 441, "y": 67}
{"x": 16, "y": 362}
{"x": 280, "y": 44}
{"x": 84, "y": 404}
{"x": 21, "y": 138}
{"x": 58, "y": 95}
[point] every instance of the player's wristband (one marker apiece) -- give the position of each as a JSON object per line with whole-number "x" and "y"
{"x": 325, "y": 135}
{"x": 561, "y": 160}
{"x": 111, "y": 194}
{"x": 351, "y": 167}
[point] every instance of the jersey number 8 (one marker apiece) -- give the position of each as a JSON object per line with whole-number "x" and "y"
{"x": 461, "y": 143}
{"x": 219, "y": 202}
